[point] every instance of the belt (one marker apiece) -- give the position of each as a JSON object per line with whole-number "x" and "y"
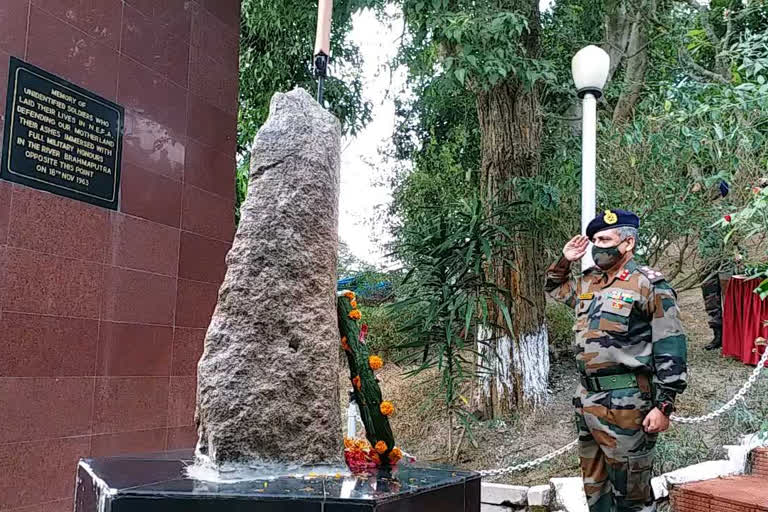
{"x": 609, "y": 382}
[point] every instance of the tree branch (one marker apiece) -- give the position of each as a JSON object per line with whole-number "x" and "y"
{"x": 700, "y": 70}
{"x": 728, "y": 30}
{"x": 646, "y": 45}
{"x": 681, "y": 259}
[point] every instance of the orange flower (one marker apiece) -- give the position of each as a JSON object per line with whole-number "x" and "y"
{"x": 355, "y": 314}
{"x": 386, "y": 408}
{"x": 395, "y": 455}
{"x": 349, "y": 295}
{"x": 375, "y": 362}
{"x": 356, "y": 382}
{"x": 344, "y": 343}
{"x": 381, "y": 447}
{"x": 376, "y": 459}
{"x": 353, "y": 303}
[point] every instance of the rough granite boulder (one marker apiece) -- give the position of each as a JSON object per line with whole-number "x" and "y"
{"x": 267, "y": 386}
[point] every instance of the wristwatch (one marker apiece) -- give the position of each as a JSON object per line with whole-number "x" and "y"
{"x": 666, "y": 408}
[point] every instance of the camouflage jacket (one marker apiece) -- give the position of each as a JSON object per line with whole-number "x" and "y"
{"x": 627, "y": 324}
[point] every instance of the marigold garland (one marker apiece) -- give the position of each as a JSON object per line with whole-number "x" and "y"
{"x": 381, "y": 447}
{"x": 395, "y": 455}
{"x": 359, "y": 455}
{"x": 376, "y": 450}
{"x": 375, "y": 362}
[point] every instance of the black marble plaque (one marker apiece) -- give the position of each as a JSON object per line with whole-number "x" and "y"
{"x": 158, "y": 482}
{"x": 60, "y": 137}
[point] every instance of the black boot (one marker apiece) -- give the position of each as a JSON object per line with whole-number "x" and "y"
{"x": 717, "y": 340}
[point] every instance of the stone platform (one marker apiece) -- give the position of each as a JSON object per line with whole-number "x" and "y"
{"x": 158, "y": 482}
{"x": 745, "y": 493}
{"x": 732, "y": 494}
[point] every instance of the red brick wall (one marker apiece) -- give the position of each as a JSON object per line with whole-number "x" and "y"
{"x": 732, "y": 494}
{"x": 760, "y": 463}
{"x": 102, "y": 314}
{"x": 685, "y": 501}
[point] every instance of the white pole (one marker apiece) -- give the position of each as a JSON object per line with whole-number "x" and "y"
{"x": 352, "y": 420}
{"x": 588, "y": 163}
{"x": 323, "y": 35}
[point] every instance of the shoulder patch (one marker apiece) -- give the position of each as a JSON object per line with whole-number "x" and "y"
{"x": 654, "y": 276}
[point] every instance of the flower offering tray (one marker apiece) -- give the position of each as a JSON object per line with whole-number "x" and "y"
{"x": 160, "y": 482}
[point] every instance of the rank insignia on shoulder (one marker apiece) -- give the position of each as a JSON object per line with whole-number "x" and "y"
{"x": 586, "y": 296}
{"x": 654, "y": 276}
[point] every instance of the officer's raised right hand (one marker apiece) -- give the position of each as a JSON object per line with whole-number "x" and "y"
{"x": 576, "y": 248}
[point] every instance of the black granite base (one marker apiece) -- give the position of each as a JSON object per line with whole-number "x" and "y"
{"x": 158, "y": 483}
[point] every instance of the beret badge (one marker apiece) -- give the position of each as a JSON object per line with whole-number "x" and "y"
{"x": 610, "y": 217}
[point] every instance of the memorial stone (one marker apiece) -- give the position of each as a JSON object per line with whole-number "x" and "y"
{"x": 268, "y": 378}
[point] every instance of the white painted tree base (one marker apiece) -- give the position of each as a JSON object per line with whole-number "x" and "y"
{"x": 530, "y": 361}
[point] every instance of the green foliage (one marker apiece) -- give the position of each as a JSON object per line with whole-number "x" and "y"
{"x": 560, "y": 319}
{"x": 566, "y": 28}
{"x": 680, "y": 447}
{"x": 241, "y": 184}
{"x": 448, "y": 293}
{"x": 385, "y": 331}
{"x": 276, "y": 44}
{"x": 477, "y": 43}
{"x": 760, "y": 271}
{"x": 665, "y": 165}
{"x": 748, "y": 220}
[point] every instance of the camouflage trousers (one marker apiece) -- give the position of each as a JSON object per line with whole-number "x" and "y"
{"x": 710, "y": 290}
{"x": 615, "y": 452}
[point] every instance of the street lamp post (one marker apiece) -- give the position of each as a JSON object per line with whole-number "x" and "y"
{"x": 589, "y": 67}
{"x": 322, "y": 44}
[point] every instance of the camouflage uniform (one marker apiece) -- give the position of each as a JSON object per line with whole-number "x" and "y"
{"x": 628, "y": 325}
{"x": 711, "y": 249}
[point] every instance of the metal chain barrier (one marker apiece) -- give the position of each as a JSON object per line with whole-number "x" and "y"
{"x": 532, "y": 463}
{"x": 699, "y": 419}
{"x": 728, "y": 405}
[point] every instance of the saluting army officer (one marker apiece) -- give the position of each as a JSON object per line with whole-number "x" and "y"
{"x": 631, "y": 353}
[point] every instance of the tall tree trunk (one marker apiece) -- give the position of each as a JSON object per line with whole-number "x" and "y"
{"x": 617, "y": 32}
{"x": 511, "y": 124}
{"x": 635, "y": 64}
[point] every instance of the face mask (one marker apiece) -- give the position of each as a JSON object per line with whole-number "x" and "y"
{"x": 607, "y": 257}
